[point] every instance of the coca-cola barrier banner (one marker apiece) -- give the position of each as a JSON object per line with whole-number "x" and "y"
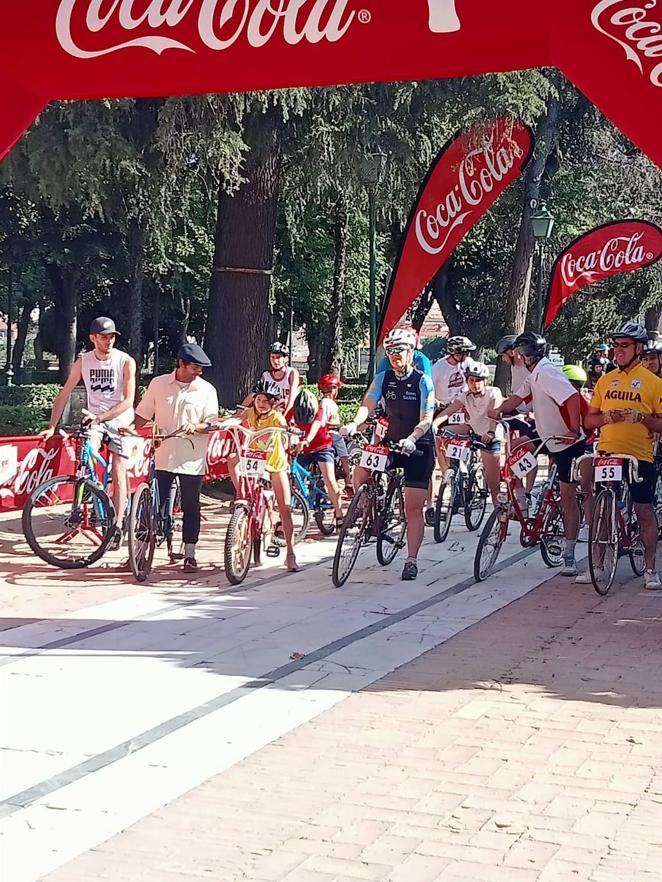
{"x": 467, "y": 177}
{"x": 26, "y": 462}
{"x": 608, "y": 250}
{"x": 80, "y": 49}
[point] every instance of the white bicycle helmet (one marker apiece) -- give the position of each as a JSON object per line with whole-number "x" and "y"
{"x": 634, "y": 330}
{"x": 400, "y": 337}
{"x": 477, "y": 369}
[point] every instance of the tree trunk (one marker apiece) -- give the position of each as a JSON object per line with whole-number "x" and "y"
{"x": 21, "y": 336}
{"x": 136, "y": 253}
{"x": 334, "y": 360}
{"x": 238, "y": 320}
{"x": 654, "y": 320}
{"x": 441, "y": 291}
{"x": 316, "y": 348}
{"x": 66, "y": 283}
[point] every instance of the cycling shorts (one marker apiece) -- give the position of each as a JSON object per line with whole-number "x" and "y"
{"x": 564, "y": 458}
{"x": 418, "y": 469}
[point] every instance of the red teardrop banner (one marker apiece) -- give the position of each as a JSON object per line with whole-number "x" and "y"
{"x": 465, "y": 180}
{"x": 613, "y": 248}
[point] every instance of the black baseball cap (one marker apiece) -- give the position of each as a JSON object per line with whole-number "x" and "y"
{"x": 191, "y": 353}
{"x": 103, "y": 325}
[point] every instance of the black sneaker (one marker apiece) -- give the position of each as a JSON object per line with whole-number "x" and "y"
{"x": 429, "y": 517}
{"x": 409, "y": 571}
{"x": 191, "y": 565}
{"x": 116, "y": 541}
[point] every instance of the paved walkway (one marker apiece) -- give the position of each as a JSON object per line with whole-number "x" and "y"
{"x": 443, "y": 731}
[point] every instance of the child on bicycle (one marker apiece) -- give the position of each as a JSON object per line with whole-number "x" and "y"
{"x": 316, "y": 445}
{"x": 329, "y": 385}
{"x": 476, "y": 402}
{"x": 263, "y": 414}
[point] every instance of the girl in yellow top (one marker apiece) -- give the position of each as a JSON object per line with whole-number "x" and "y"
{"x": 263, "y": 415}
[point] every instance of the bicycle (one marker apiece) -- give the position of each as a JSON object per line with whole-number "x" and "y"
{"x": 310, "y": 485}
{"x": 254, "y": 522}
{"x": 544, "y": 528}
{"x": 463, "y": 486}
{"x": 614, "y": 529}
{"x": 69, "y": 508}
{"x": 149, "y": 525}
{"x": 377, "y": 511}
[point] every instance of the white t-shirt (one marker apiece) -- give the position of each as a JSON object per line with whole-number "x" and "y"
{"x": 331, "y": 412}
{"x": 550, "y": 389}
{"x": 449, "y": 380}
{"x": 170, "y": 405}
{"x": 104, "y": 382}
{"x": 518, "y": 376}
{"x": 477, "y": 407}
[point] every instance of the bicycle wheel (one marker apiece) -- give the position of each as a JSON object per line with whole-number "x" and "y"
{"x": 552, "y": 536}
{"x": 490, "y": 543}
{"x": 443, "y": 510}
{"x": 238, "y": 545}
{"x": 142, "y": 532}
{"x": 636, "y": 551}
{"x": 603, "y": 542}
{"x": 351, "y": 536}
{"x": 300, "y": 516}
{"x": 68, "y": 522}
{"x": 393, "y": 526}
{"x": 175, "y": 538}
{"x": 475, "y": 502}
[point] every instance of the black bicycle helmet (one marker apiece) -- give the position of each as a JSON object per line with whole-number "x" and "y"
{"x": 460, "y": 346}
{"x": 268, "y": 388}
{"x": 279, "y": 349}
{"x": 632, "y": 329}
{"x": 531, "y": 345}
{"x": 506, "y": 343}
{"x": 305, "y": 408}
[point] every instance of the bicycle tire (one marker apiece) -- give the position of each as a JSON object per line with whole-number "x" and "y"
{"x": 94, "y": 495}
{"x": 357, "y": 516}
{"x": 496, "y": 528}
{"x": 443, "y": 509}
{"x": 476, "y": 498}
{"x": 238, "y": 533}
{"x": 299, "y": 507}
{"x": 175, "y": 538}
{"x": 603, "y": 520}
{"x": 636, "y": 550}
{"x": 387, "y": 548}
{"x": 142, "y": 532}
{"x": 552, "y": 536}
{"x": 325, "y": 528}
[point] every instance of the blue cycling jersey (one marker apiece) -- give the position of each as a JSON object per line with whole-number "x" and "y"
{"x": 407, "y": 401}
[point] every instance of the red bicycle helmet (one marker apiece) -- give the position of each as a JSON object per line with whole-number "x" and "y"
{"x": 329, "y": 381}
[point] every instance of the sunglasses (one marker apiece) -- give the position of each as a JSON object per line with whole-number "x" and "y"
{"x": 398, "y": 350}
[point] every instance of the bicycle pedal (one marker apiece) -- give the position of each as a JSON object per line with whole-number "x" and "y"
{"x": 273, "y": 551}
{"x": 176, "y": 557}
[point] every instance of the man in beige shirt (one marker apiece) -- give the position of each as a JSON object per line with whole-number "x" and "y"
{"x": 182, "y": 400}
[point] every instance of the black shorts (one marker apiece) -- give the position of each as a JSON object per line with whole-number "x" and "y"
{"x": 643, "y": 493}
{"x": 418, "y": 469}
{"x": 564, "y": 458}
{"x": 525, "y": 428}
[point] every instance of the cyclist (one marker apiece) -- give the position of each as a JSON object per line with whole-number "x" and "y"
{"x": 651, "y": 357}
{"x": 450, "y": 383}
{"x": 557, "y": 412}
{"x": 182, "y": 399}
{"x": 598, "y": 363}
{"x": 329, "y": 385}
{"x": 477, "y": 401}
{"x": 627, "y": 409}
{"x": 521, "y": 422}
{"x": 408, "y": 400}
{"x": 578, "y": 377}
{"x": 285, "y": 377}
{"x": 109, "y": 376}
{"x": 421, "y": 362}
{"x": 316, "y": 446}
{"x": 265, "y": 413}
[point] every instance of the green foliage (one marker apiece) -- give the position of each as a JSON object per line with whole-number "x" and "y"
{"x": 39, "y": 396}
{"x": 22, "y": 420}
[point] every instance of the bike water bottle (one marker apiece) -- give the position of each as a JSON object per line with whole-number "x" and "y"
{"x": 622, "y": 507}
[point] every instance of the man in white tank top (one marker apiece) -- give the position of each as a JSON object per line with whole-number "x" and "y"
{"x": 109, "y": 376}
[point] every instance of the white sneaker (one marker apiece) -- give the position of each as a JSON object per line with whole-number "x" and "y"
{"x": 569, "y": 567}
{"x": 585, "y": 578}
{"x": 652, "y": 581}
{"x": 583, "y": 534}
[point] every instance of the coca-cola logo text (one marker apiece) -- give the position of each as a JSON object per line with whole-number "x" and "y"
{"x": 479, "y": 173}
{"x": 620, "y": 253}
{"x": 36, "y": 468}
{"x": 220, "y": 23}
{"x": 220, "y": 446}
{"x": 639, "y": 35}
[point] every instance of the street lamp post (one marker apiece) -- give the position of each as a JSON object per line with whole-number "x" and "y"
{"x": 9, "y": 369}
{"x": 372, "y": 173}
{"x": 542, "y": 222}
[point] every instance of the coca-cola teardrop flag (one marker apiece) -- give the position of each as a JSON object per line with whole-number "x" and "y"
{"x": 467, "y": 177}
{"x": 614, "y": 248}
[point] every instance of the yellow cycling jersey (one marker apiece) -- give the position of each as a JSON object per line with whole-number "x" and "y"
{"x": 277, "y": 461}
{"x": 639, "y": 390}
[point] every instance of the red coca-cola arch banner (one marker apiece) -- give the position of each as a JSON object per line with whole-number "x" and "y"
{"x": 608, "y": 250}
{"x": 80, "y": 49}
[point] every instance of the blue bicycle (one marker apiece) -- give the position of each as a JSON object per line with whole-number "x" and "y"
{"x": 310, "y": 484}
{"x": 69, "y": 521}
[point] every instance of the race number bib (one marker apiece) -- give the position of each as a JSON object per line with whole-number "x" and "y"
{"x": 608, "y": 469}
{"x": 253, "y": 463}
{"x": 457, "y": 419}
{"x": 381, "y": 428}
{"x": 460, "y": 450}
{"x": 374, "y": 458}
{"x": 522, "y": 462}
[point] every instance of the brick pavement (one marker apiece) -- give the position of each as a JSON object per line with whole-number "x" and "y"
{"x": 526, "y": 748}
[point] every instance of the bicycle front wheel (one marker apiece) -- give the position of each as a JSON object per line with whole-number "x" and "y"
{"x": 393, "y": 526}
{"x": 552, "y": 536}
{"x": 490, "y": 543}
{"x": 443, "y": 510}
{"x": 175, "y": 538}
{"x": 68, "y": 522}
{"x": 475, "y": 503}
{"x": 603, "y": 542}
{"x": 238, "y": 545}
{"x": 351, "y": 536}
{"x": 300, "y": 516}
{"x": 142, "y": 532}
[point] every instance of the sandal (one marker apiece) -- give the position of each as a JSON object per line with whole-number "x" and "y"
{"x": 291, "y": 564}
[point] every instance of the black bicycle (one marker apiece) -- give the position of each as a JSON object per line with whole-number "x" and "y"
{"x": 462, "y": 487}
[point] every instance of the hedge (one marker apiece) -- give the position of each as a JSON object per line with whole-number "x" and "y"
{"x": 16, "y": 420}
{"x": 40, "y": 395}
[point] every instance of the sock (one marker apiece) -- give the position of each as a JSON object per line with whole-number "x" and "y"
{"x": 569, "y": 548}
{"x": 412, "y": 560}
{"x": 189, "y": 549}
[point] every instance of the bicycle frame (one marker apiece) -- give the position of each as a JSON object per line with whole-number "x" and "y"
{"x": 621, "y": 491}
{"x": 310, "y": 486}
